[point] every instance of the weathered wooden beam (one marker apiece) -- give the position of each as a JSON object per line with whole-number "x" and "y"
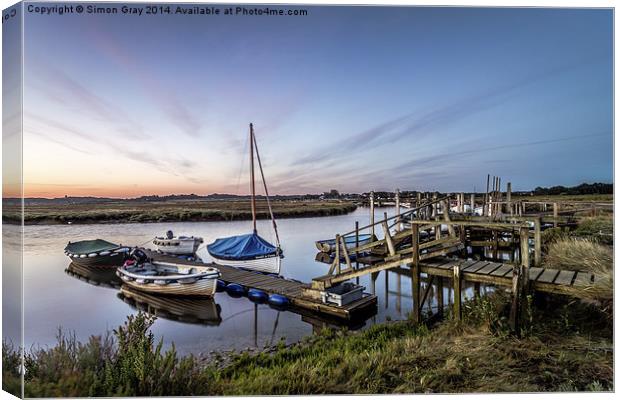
{"x": 456, "y": 283}
{"x": 440, "y": 304}
{"x": 388, "y": 239}
{"x": 513, "y": 319}
{"x": 537, "y": 243}
{"x": 372, "y": 213}
{"x": 415, "y": 274}
{"x": 347, "y": 259}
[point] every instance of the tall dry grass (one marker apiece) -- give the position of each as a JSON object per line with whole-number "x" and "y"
{"x": 577, "y": 254}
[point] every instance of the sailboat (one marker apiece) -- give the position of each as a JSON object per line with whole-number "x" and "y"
{"x": 250, "y": 251}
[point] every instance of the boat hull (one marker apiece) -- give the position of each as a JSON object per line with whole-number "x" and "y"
{"x": 178, "y": 246}
{"x": 184, "y": 281}
{"x": 268, "y": 265}
{"x": 112, "y": 260}
{"x": 329, "y": 246}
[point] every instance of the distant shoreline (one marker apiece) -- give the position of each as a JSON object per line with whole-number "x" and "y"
{"x": 157, "y": 212}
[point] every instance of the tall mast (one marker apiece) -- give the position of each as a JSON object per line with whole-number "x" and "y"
{"x": 252, "y": 185}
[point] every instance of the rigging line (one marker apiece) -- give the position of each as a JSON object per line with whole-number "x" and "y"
{"x": 262, "y": 174}
{"x": 245, "y": 148}
{"x": 142, "y": 244}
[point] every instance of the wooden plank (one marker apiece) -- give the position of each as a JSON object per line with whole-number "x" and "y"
{"x": 488, "y": 268}
{"x": 476, "y": 266}
{"x": 535, "y": 273}
{"x": 548, "y": 275}
{"x": 564, "y": 278}
{"x": 467, "y": 264}
{"x": 437, "y": 262}
{"x": 503, "y": 270}
{"x": 583, "y": 279}
{"x": 448, "y": 265}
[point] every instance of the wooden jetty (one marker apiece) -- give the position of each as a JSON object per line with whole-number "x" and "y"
{"x": 445, "y": 254}
{"x": 292, "y": 289}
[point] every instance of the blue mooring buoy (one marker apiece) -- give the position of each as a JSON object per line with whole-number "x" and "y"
{"x": 235, "y": 290}
{"x": 278, "y": 300}
{"x": 257, "y": 296}
{"x": 221, "y": 286}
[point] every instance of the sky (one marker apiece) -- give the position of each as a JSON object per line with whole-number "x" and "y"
{"x": 347, "y": 98}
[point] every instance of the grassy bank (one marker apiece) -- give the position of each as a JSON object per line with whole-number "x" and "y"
{"x": 170, "y": 211}
{"x": 568, "y": 348}
{"x": 567, "y": 197}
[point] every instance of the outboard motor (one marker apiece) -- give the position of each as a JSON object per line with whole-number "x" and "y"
{"x": 169, "y": 235}
{"x": 139, "y": 255}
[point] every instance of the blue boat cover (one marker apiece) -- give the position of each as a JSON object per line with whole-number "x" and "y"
{"x": 241, "y": 248}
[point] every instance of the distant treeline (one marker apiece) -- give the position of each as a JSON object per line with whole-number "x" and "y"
{"x": 584, "y": 188}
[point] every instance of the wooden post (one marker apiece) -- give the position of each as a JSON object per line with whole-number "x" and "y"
{"x": 357, "y": 244}
{"x": 372, "y": 214}
{"x": 472, "y": 204}
{"x": 337, "y": 256}
{"x": 446, "y": 217}
{"x": 537, "y": 243}
{"x": 388, "y": 237}
{"x": 477, "y": 289}
{"x": 514, "y": 308}
{"x": 524, "y": 237}
{"x": 509, "y": 197}
{"x": 456, "y": 282}
{"x": 415, "y": 272}
{"x": 397, "y": 198}
{"x": 440, "y": 304}
{"x": 555, "y": 214}
{"x": 485, "y": 210}
{"x": 434, "y": 213}
{"x": 373, "y": 278}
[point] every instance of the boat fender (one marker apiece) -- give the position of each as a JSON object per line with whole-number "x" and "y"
{"x": 221, "y": 286}
{"x": 235, "y": 290}
{"x": 83, "y": 256}
{"x": 93, "y": 255}
{"x": 278, "y": 300}
{"x": 257, "y": 296}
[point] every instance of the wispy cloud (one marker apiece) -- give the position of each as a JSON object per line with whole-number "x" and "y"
{"x": 49, "y": 128}
{"x": 421, "y": 124}
{"x": 174, "y": 109}
{"x": 62, "y": 88}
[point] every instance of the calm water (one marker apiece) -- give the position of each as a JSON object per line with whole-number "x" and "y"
{"x": 54, "y": 298}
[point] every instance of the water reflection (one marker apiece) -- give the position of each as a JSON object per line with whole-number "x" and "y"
{"x": 97, "y": 276}
{"x": 95, "y": 308}
{"x": 204, "y": 311}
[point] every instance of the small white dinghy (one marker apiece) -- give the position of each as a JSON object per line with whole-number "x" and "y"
{"x": 178, "y": 245}
{"x": 167, "y": 278}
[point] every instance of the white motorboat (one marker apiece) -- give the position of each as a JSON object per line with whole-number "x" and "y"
{"x": 178, "y": 245}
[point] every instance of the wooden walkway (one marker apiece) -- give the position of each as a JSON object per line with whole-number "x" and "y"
{"x": 501, "y": 274}
{"x": 294, "y": 290}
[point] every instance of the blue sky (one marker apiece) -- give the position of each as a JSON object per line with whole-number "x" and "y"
{"x": 352, "y": 98}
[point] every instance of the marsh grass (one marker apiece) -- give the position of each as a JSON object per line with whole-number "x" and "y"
{"x": 577, "y": 254}
{"x": 565, "y": 350}
{"x": 164, "y": 211}
{"x": 599, "y": 228}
